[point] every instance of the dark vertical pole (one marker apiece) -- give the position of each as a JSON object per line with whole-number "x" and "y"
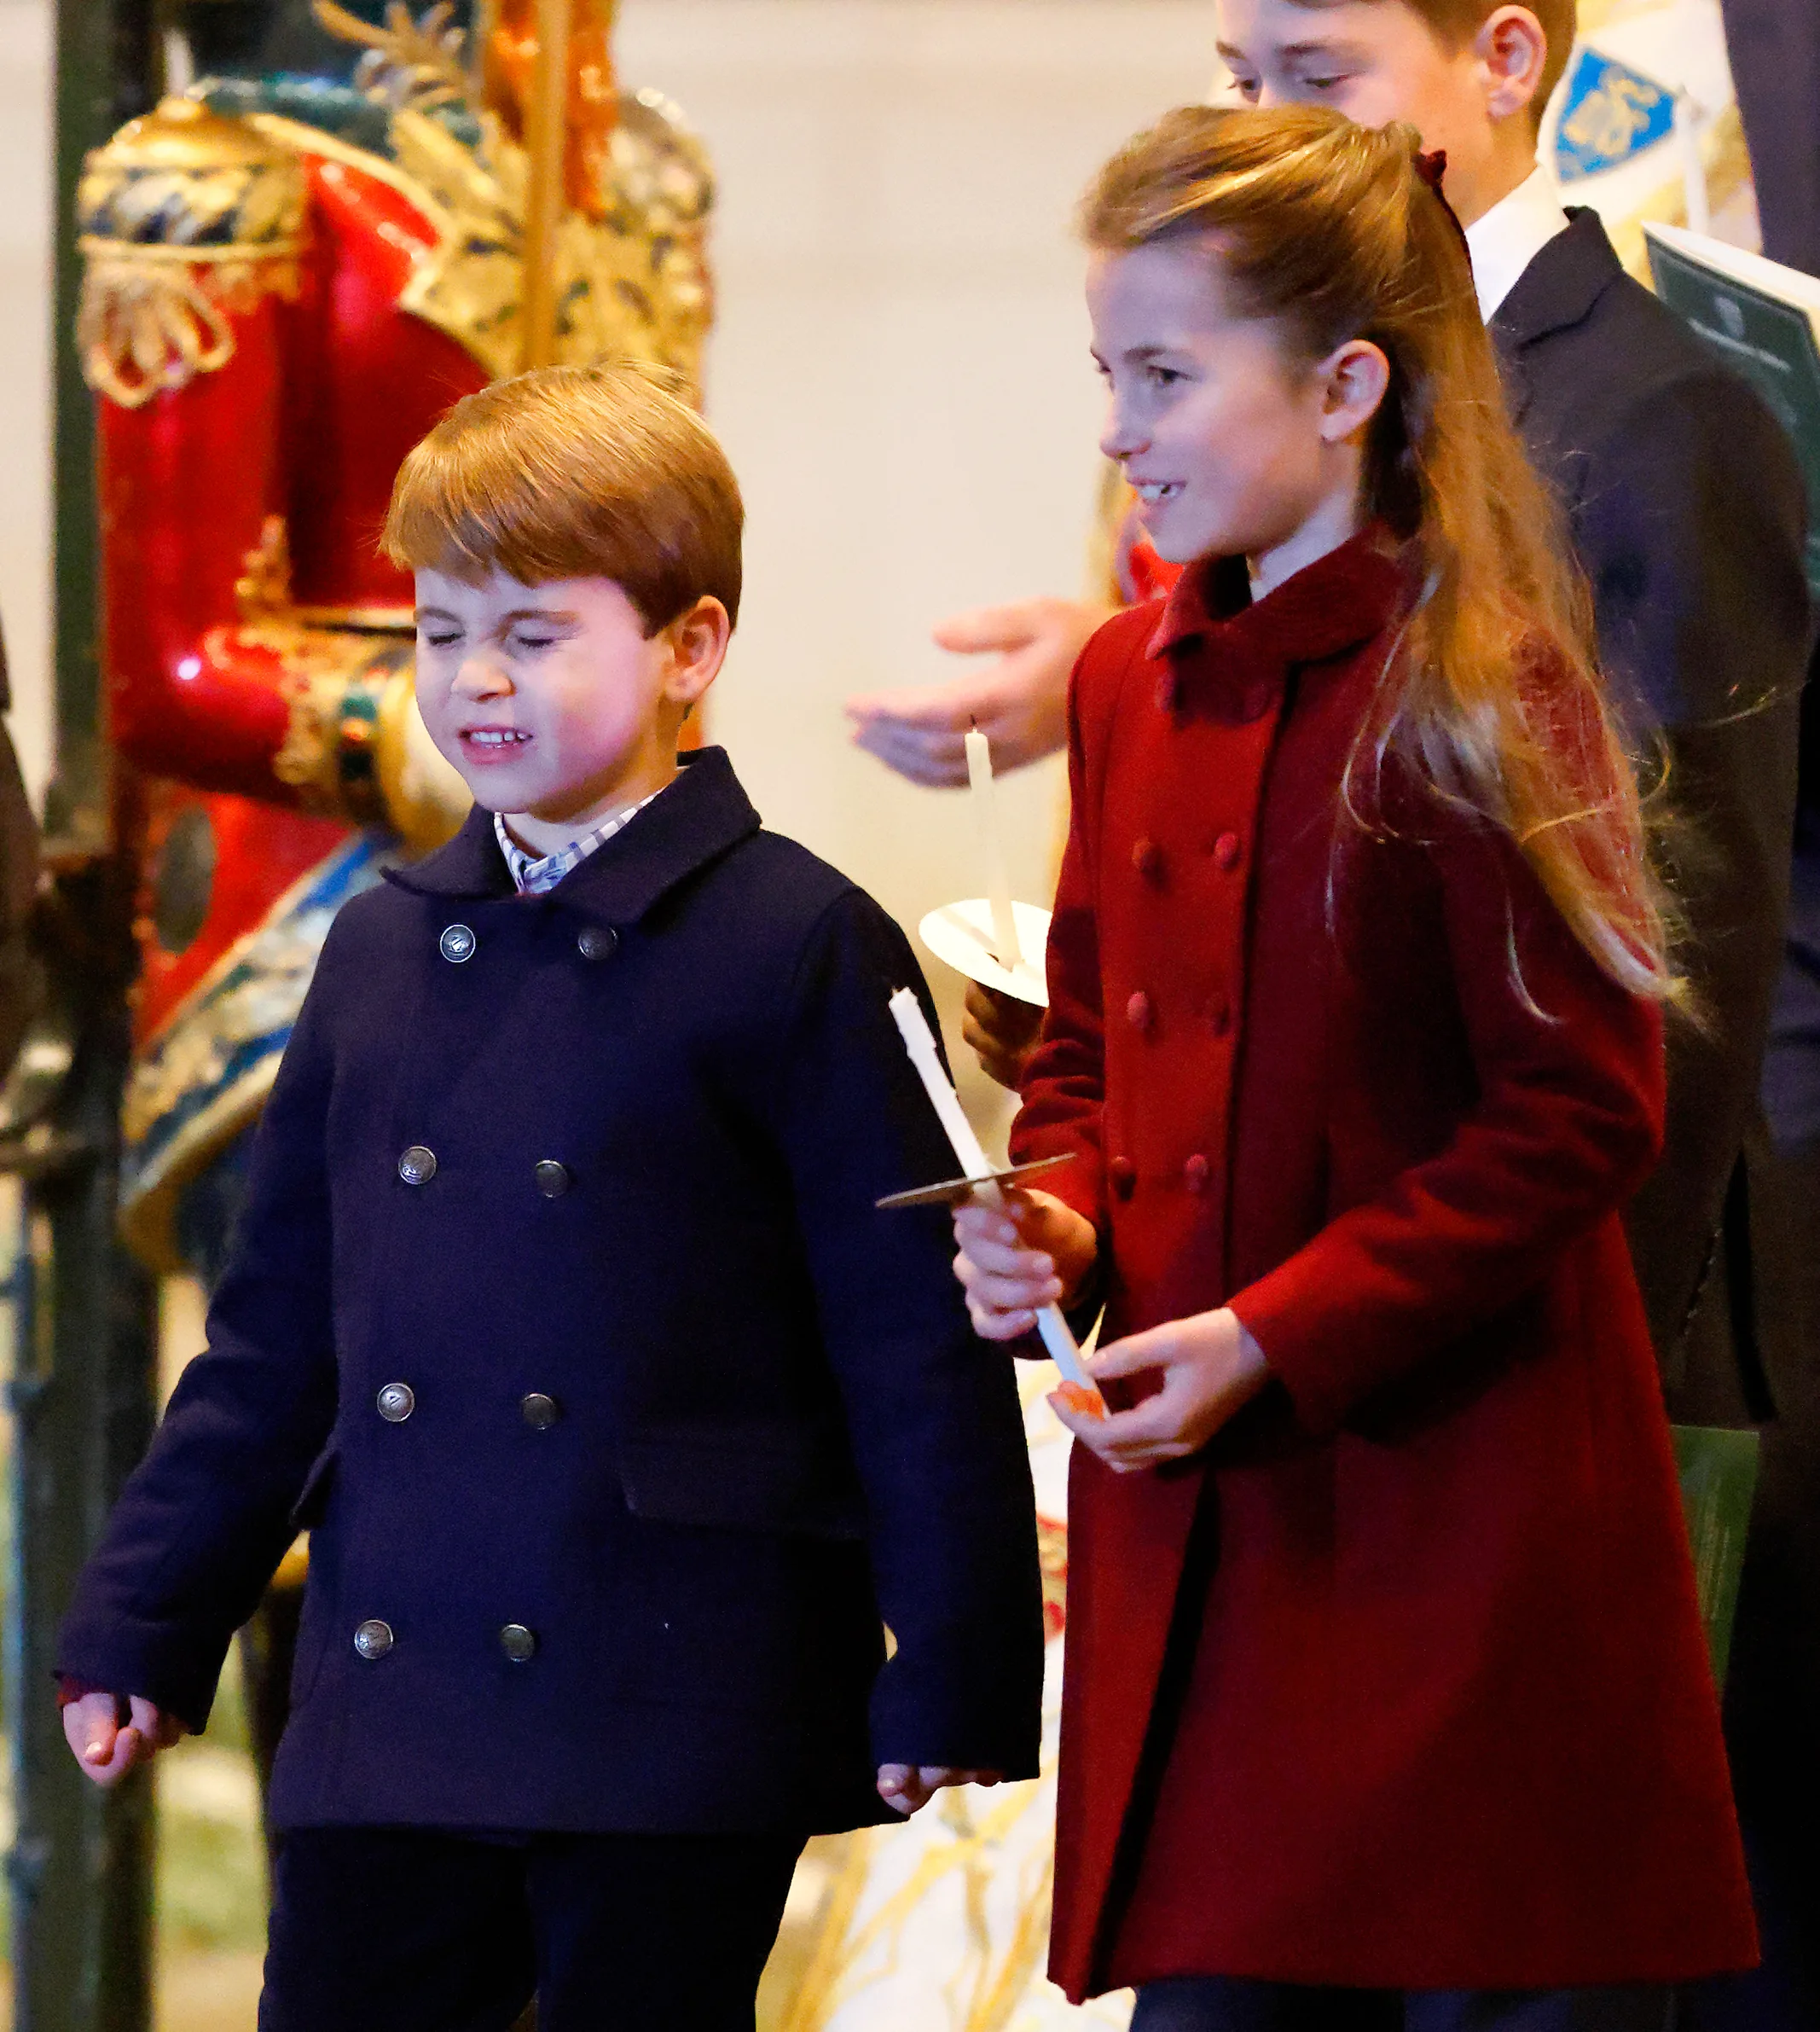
{"x": 80, "y": 1869}
{"x": 107, "y": 72}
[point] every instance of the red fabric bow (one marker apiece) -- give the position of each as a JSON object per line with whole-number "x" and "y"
{"x": 1431, "y": 166}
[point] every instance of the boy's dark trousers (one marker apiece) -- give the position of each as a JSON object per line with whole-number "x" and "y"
{"x": 1227, "y": 2003}
{"x": 420, "y": 1930}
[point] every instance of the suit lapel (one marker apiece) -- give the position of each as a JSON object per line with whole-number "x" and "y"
{"x": 1556, "y": 291}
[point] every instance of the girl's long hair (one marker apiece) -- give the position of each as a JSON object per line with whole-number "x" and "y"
{"x": 1332, "y": 232}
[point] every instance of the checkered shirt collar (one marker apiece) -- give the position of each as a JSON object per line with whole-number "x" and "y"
{"x": 533, "y": 876}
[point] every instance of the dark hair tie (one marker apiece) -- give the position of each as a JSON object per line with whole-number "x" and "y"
{"x": 1431, "y": 166}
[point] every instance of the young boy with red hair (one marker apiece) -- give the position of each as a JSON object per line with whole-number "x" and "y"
{"x": 562, "y": 1316}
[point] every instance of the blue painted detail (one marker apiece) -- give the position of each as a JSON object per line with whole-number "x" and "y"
{"x": 240, "y": 1017}
{"x": 1611, "y": 114}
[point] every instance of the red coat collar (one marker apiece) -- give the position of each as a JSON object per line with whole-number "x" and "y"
{"x": 1331, "y": 606}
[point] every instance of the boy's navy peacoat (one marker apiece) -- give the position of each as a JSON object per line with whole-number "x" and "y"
{"x": 561, "y": 1314}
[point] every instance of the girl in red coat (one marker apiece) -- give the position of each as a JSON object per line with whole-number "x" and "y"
{"x": 1387, "y": 1701}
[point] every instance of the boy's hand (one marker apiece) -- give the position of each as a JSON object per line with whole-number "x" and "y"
{"x": 1002, "y": 1032}
{"x": 1020, "y": 703}
{"x": 107, "y": 1748}
{"x": 1210, "y": 1368}
{"x": 905, "y": 1787}
{"x": 1033, "y": 1251}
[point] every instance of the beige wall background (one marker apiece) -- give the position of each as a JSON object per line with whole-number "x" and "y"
{"x": 900, "y": 370}
{"x": 24, "y": 375}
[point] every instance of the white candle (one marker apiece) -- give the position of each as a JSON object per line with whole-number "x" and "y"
{"x": 991, "y": 850}
{"x": 1693, "y": 169}
{"x": 919, "y": 1041}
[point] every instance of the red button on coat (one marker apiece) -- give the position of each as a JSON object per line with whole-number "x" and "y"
{"x": 1137, "y": 1011}
{"x": 1146, "y": 856}
{"x": 1124, "y": 1176}
{"x": 1228, "y": 850}
{"x": 1194, "y": 1173}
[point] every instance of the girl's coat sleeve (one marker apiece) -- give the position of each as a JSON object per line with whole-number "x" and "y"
{"x": 1566, "y": 1124}
{"x": 1064, "y": 1089}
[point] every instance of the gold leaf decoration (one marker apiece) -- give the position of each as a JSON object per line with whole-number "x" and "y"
{"x": 185, "y": 217}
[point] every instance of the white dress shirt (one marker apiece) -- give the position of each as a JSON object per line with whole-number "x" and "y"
{"x": 1510, "y": 235}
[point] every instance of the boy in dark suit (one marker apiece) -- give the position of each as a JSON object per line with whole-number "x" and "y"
{"x": 561, "y": 1313}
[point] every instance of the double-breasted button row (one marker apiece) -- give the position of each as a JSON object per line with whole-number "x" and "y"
{"x": 592, "y": 942}
{"x": 538, "y": 1407}
{"x": 373, "y": 1640}
{"x": 1228, "y": 850}
{"x": 1123, "y": 1176}
{"x": 417, "y": 1166}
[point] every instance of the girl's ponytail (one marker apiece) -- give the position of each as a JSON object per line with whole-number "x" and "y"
{"x": 1333, "y": 232}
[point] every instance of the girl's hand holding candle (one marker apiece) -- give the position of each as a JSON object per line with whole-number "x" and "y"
{"x": 1077, "y": 1386}
{"x": 1205, "y": 1367}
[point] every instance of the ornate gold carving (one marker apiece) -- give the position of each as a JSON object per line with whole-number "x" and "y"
{"x": 182, "y": 175}
{"x": 336, "y": 684}
{"x": 263, "y": 591}
{"x": 406, "y": 62}
{"x": 631, "y": 266}
{"x": 633, "y": 284}
{"x": 336, "y": 681}
{"x": 186, "y": 217}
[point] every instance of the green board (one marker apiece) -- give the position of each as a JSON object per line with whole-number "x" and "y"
{"x": 1718, "y": 1476}
{"x": 1769, "y": 342}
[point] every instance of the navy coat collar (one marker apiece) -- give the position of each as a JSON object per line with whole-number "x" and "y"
{"x": 695, "y": 820}
{"x": 1556, "y": 291}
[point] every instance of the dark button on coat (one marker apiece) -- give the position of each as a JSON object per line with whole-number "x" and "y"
{"x": 1449, "y": 1721}
{"x": 778, "y": 1434}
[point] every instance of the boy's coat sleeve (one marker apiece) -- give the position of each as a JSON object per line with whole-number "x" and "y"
{"x": 933, "y": 1414}
{"x": 172, "y": 1580}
